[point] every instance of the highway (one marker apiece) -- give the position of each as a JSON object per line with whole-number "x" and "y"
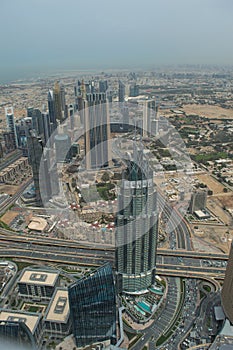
{"x": 12, "y": 199}
{"x": 44, "y": 244}
{"x": 171, "y": 266}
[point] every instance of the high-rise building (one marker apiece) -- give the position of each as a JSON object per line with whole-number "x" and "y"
{"x": 134, "y": 90}
{"x": 46, "y": 126}
{"x": 40, "y": 167}
{"x": 57, "y": 97}
{"x": 92, "y": 302}
{"x": 136, "y": 227}
{"x": 9, "y": 141}
{"x": 63, "y": 147}
{"x": 198, "y": 201}
{"x": 97, "y": 131}
{"x": 125, "y": 114}
{"x": 37, "y": 123}
{"x": 51, "y": 108}
{"x": 121, "y": 91}
{"x": 103, "y": 86}
{"x": 149, "y": 114}
{"x": 227, "y": 289}
{"x": 23, "y": 126}
{"x": 9, "y": 112}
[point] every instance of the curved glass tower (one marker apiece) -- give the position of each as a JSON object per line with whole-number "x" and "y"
{"x": 136, "y": 227}
{"x": 93, "y": 307}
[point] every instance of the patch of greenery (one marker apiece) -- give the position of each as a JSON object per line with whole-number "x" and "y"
{"x": 205, "y": 157}
{"x": 207, "y": 288}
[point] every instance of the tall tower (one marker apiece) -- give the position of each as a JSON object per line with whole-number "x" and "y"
{"x": 149, "y": 114}
{"x": 103, "y": 86}
{"x": 121, "y": 92}
{"x": 93, "y": 307}
{"x": 9, "y": 112}
{"x": 97, "y": 131}
{"x": 136, "y": 227}
{"x": 133, "y": 90}
{"x": 57, "y": 101}
{"x": 39, "y": 166}
{"x": 37, "y": 123}
{"x": 227, "y": 289}
{"x": 46, "y": 126}
{"x": 51, "y": 108}
{"x": 198, "y": 201}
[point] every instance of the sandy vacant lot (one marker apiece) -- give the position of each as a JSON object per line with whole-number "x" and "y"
{"x": 9, "y": 216}
{"x": 208, "y": 111}
{"x": 9, "y": 189}
{"x": 226, "y": 200}
{"x": 212, "y": 184}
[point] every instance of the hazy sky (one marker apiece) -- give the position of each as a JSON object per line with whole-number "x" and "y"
{"x": 46, "y": 34}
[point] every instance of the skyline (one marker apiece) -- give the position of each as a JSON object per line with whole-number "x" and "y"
{"x": 43, "y": 37}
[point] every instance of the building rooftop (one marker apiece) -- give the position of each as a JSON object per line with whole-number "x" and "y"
{"x": 30, "y": 319}
{"x": 37, "y": 224}
{"x": 58, "y": 309}
{"x": 39, "y": 277}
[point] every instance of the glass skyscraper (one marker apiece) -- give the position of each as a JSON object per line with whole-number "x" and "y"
{"x": 93, "y": 307}
{"x": 97, "y": 130}
{"x": 136, "y": 227}
{"x": 11, "y": 124}
{"x": 40, "y": 168}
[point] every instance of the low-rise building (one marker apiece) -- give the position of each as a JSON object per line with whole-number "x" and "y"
{"x": 18, "y": 322}
{"x": 57, "y": 317}
{"x": 38, "y": 284}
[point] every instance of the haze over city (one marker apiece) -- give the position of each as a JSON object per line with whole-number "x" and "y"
{"x": 47, "y": 36}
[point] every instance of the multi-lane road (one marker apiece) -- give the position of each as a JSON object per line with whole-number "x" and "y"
{"x": 171, "y": 264}
{"x": 12, "y": 199}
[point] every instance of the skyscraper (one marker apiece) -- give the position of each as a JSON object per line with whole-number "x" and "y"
{"x": 9, "y": 112}
{"x": 97, "y": 130}
{"x": 40, "y": 168}
{"x": 136, "y": 227}
{"x": 198, "y": 201}
{"x": 149, "y": 114}
{"x": 51, "y": 108}
{"x": 37, "y": 123}
{"x": 23, "y": 126}
{"x": 57, "y": 97}
{"x": 133, "y": 90}
{"x": 103, "y": 86}
{"x": 121, "y": 92}
{"x": 63, "y": 147}
{"x": 125, "y": 114}
{"x": 93, "y": 307}
{"x": 46, "y": 126}
{"x": 227, "y": 289}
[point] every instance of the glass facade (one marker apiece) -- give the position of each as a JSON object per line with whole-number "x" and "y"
{"x": 93, "y": 307}
{"x": 97, "y": 131}
{"x": 137, "y": 228}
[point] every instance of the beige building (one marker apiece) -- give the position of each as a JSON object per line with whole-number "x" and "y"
{"x": 38, "y": 284}
{"x": 57, "y": 317}
{"x": 33, "y": 322}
